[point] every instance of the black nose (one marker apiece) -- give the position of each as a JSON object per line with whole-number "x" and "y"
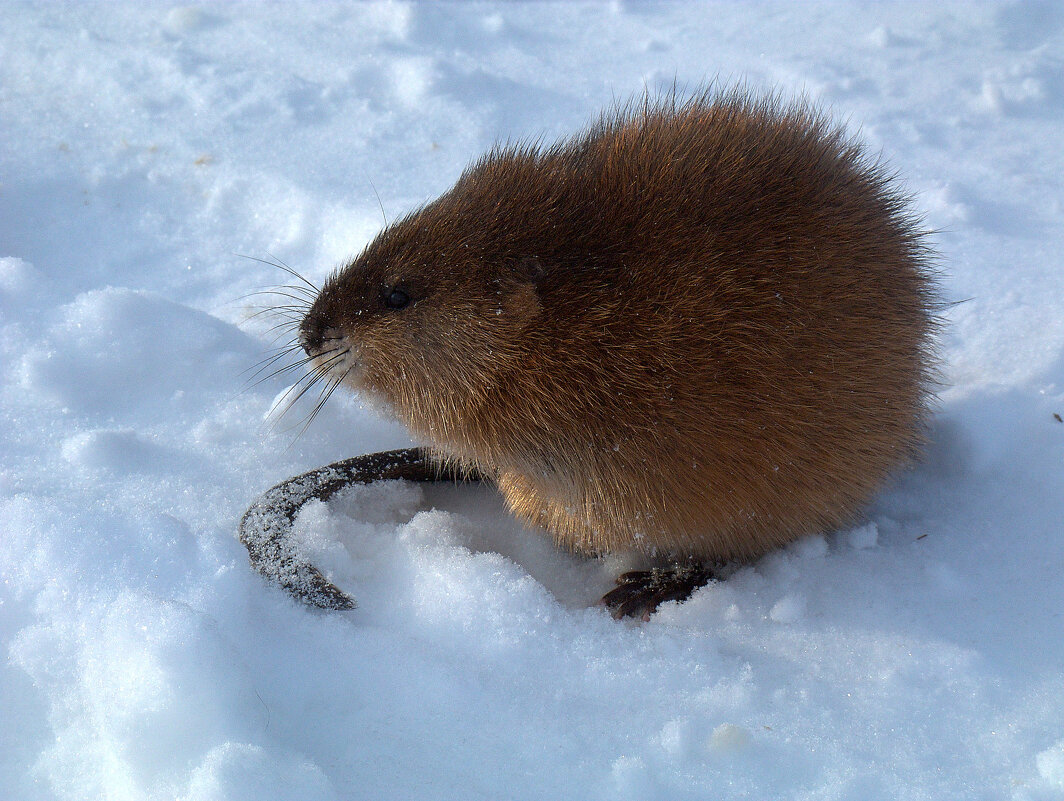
{"x": 312, "y": 332}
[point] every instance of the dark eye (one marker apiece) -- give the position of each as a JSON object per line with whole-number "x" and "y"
{"x": 396, "y": 299}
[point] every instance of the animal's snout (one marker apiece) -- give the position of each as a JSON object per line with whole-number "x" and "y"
{"x": 312, "y": 332}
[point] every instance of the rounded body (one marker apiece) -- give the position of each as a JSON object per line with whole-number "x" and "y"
{"x": 698, "y": 329}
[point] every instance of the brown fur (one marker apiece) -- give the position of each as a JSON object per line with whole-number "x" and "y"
{"x": 699, "y": 329}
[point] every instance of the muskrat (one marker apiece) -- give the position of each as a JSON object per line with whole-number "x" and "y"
{"x": 700, "y": 329}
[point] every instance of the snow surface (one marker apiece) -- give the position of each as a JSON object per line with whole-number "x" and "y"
{"x": 142, "y": 147}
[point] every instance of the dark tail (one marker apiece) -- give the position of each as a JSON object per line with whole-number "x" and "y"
{"x": 266, "y": 527}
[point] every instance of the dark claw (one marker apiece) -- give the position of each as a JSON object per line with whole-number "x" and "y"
{"x": 639, "y": 592}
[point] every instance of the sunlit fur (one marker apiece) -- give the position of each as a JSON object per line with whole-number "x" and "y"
{"x": 700, "y": 328}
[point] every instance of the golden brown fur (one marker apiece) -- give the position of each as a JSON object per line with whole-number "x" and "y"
{"x": 699, "y": 329}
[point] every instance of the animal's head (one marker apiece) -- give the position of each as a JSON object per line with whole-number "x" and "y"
{"x": 426, "y": 319}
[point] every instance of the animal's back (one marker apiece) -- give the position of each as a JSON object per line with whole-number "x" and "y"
{"x": 731, "y": 347}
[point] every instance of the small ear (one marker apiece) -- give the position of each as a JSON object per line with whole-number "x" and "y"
{"x": 523, "y": 303}
{"x": 530, "y": 268}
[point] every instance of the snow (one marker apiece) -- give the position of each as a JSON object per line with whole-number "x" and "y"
{"x": 144, "y": 147}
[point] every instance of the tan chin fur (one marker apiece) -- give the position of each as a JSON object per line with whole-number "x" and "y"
{"x": 700, "y": 328}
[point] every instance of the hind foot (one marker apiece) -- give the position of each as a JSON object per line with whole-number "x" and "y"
{"x": 639, "y": 592}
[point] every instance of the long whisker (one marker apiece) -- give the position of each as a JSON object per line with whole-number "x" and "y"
{"x": 270, "y": 358}
{"x": 300, "y": 297}
{"x": 294, "y": 310}
{"x": 280, "y": 265}
{"x": 294, "y": 273}
{"x": 269, "y": 361}
{"x": 277, "y": 332}
{"x": 322, "y": 368}
{"x": 265, "y": 364}
{"x": 379, "y": 203}
{"x": 312, "y": 378}
{"x": 319, "y": 373}
{"x": 326, "y": 394}
{"x": 289, "y": 316}
{"x": 288, "y": 368}
{"x": 278, "y": 289}
{"x": 303, "y": 298}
